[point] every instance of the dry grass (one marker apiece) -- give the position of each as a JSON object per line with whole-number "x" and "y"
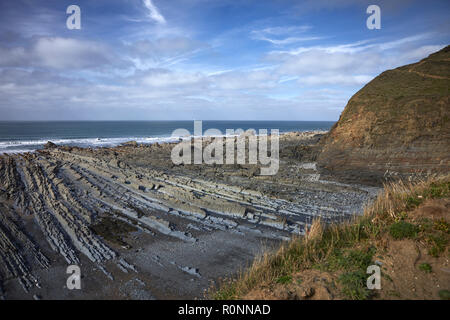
{"x": 315, "y": 231}
{"x": 322, "y": 246}
{"x": 399, "y": 197}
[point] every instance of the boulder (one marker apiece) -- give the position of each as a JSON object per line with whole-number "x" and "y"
{"x": 50, "y": 145}
{"x": 130, "y": 143}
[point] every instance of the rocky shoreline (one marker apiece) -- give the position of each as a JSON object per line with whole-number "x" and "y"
{"x": 141, "y": 227}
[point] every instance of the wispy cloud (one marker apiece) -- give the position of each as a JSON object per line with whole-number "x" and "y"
{"x": 358, "y": 46}
{"x": 283, "y": 35}
{"x": 154, "y": 13}
{"x": 285, "y": 30}
{"x": 349, "y": 64}
{"x": 288, "y": 40}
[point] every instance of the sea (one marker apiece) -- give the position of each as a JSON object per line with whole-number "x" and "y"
{"x": 28, "y": 136}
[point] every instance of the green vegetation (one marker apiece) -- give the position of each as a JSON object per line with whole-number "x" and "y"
{"x": 346, "y": 250}
{"x": 284, "y": 279}
{"x": 354, "y": 285}
{"x": 438, "y": 243}
{"x": 402, "y": 229}
{"x": 413, "y": 201}
{"x": 425, "y": 267}
{"x": 441, "y": 225}
{"x": 444, "y": 294}
{"x": 354, "y": 262}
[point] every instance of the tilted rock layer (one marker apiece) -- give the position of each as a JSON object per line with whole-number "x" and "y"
{"x": 396, "y": 126}
{"x": 141, "y": 227}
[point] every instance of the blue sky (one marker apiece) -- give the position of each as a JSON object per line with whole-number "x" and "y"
{"x": 198, "y": 59}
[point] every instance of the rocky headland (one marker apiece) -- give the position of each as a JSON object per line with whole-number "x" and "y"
{"x": 396, "y": 126}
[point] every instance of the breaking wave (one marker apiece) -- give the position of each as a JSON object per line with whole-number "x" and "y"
{"x": 17, "y": 146}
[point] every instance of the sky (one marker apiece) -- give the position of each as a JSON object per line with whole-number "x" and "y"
{"x": 204, "y": 60}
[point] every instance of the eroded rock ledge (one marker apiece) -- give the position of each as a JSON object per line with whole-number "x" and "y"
{"x": 184, "y": 219}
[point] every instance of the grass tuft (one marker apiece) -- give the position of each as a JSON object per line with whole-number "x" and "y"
{"x": 438, "y": 244}
{"x": 284, "y": 279}
{"x": 354, "y": 285}
{"x": 425, "y": 267}
{"x": 400, "y": 230}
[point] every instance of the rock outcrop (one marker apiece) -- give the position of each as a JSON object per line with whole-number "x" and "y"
{"x": 128, "y": 211}
{"x": 50, "y": 145}
{"x": 397, "y": 126}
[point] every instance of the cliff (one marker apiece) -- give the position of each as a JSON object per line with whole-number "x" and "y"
{"x": 395, "y": 126}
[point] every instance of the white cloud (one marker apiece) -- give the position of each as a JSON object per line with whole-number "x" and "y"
{"x": 244, "y": 80}
{"x": 285, "y": 30}
{"x": 172, "y": 79}
{"x": 154, "y": 13}
{"x": 320, "y": 61}
{"x": 351, "y": 64}
{"x": 288, "y": 40}
{"x": 163, "y": 52}
{"x": 59, "y": 53}
{"x": 324, "y": 79}
{"x": 421, "y": 52}
{"x": 359, "y": 46}
{"x": 283, "y": 35}
{"x": 12, "y": 56}
{"x": 169, "y": 78}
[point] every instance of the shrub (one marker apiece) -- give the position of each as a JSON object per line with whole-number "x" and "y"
{"x": 354, "y": 285}
{"x": 438, "y": 190}
{"x": 425, "y": 267}
{"x": 444, "y": 294}
{"x": 353, "y": 259}
{"x": 402, "y": 229}
{"x": 413, "y": 202}
{"x": 438, "y": 242}
{"x": 442, "y": 225}
{"x": 284, "y": 279}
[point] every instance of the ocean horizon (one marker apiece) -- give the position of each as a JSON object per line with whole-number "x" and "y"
{"x": 28, "y": 136}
